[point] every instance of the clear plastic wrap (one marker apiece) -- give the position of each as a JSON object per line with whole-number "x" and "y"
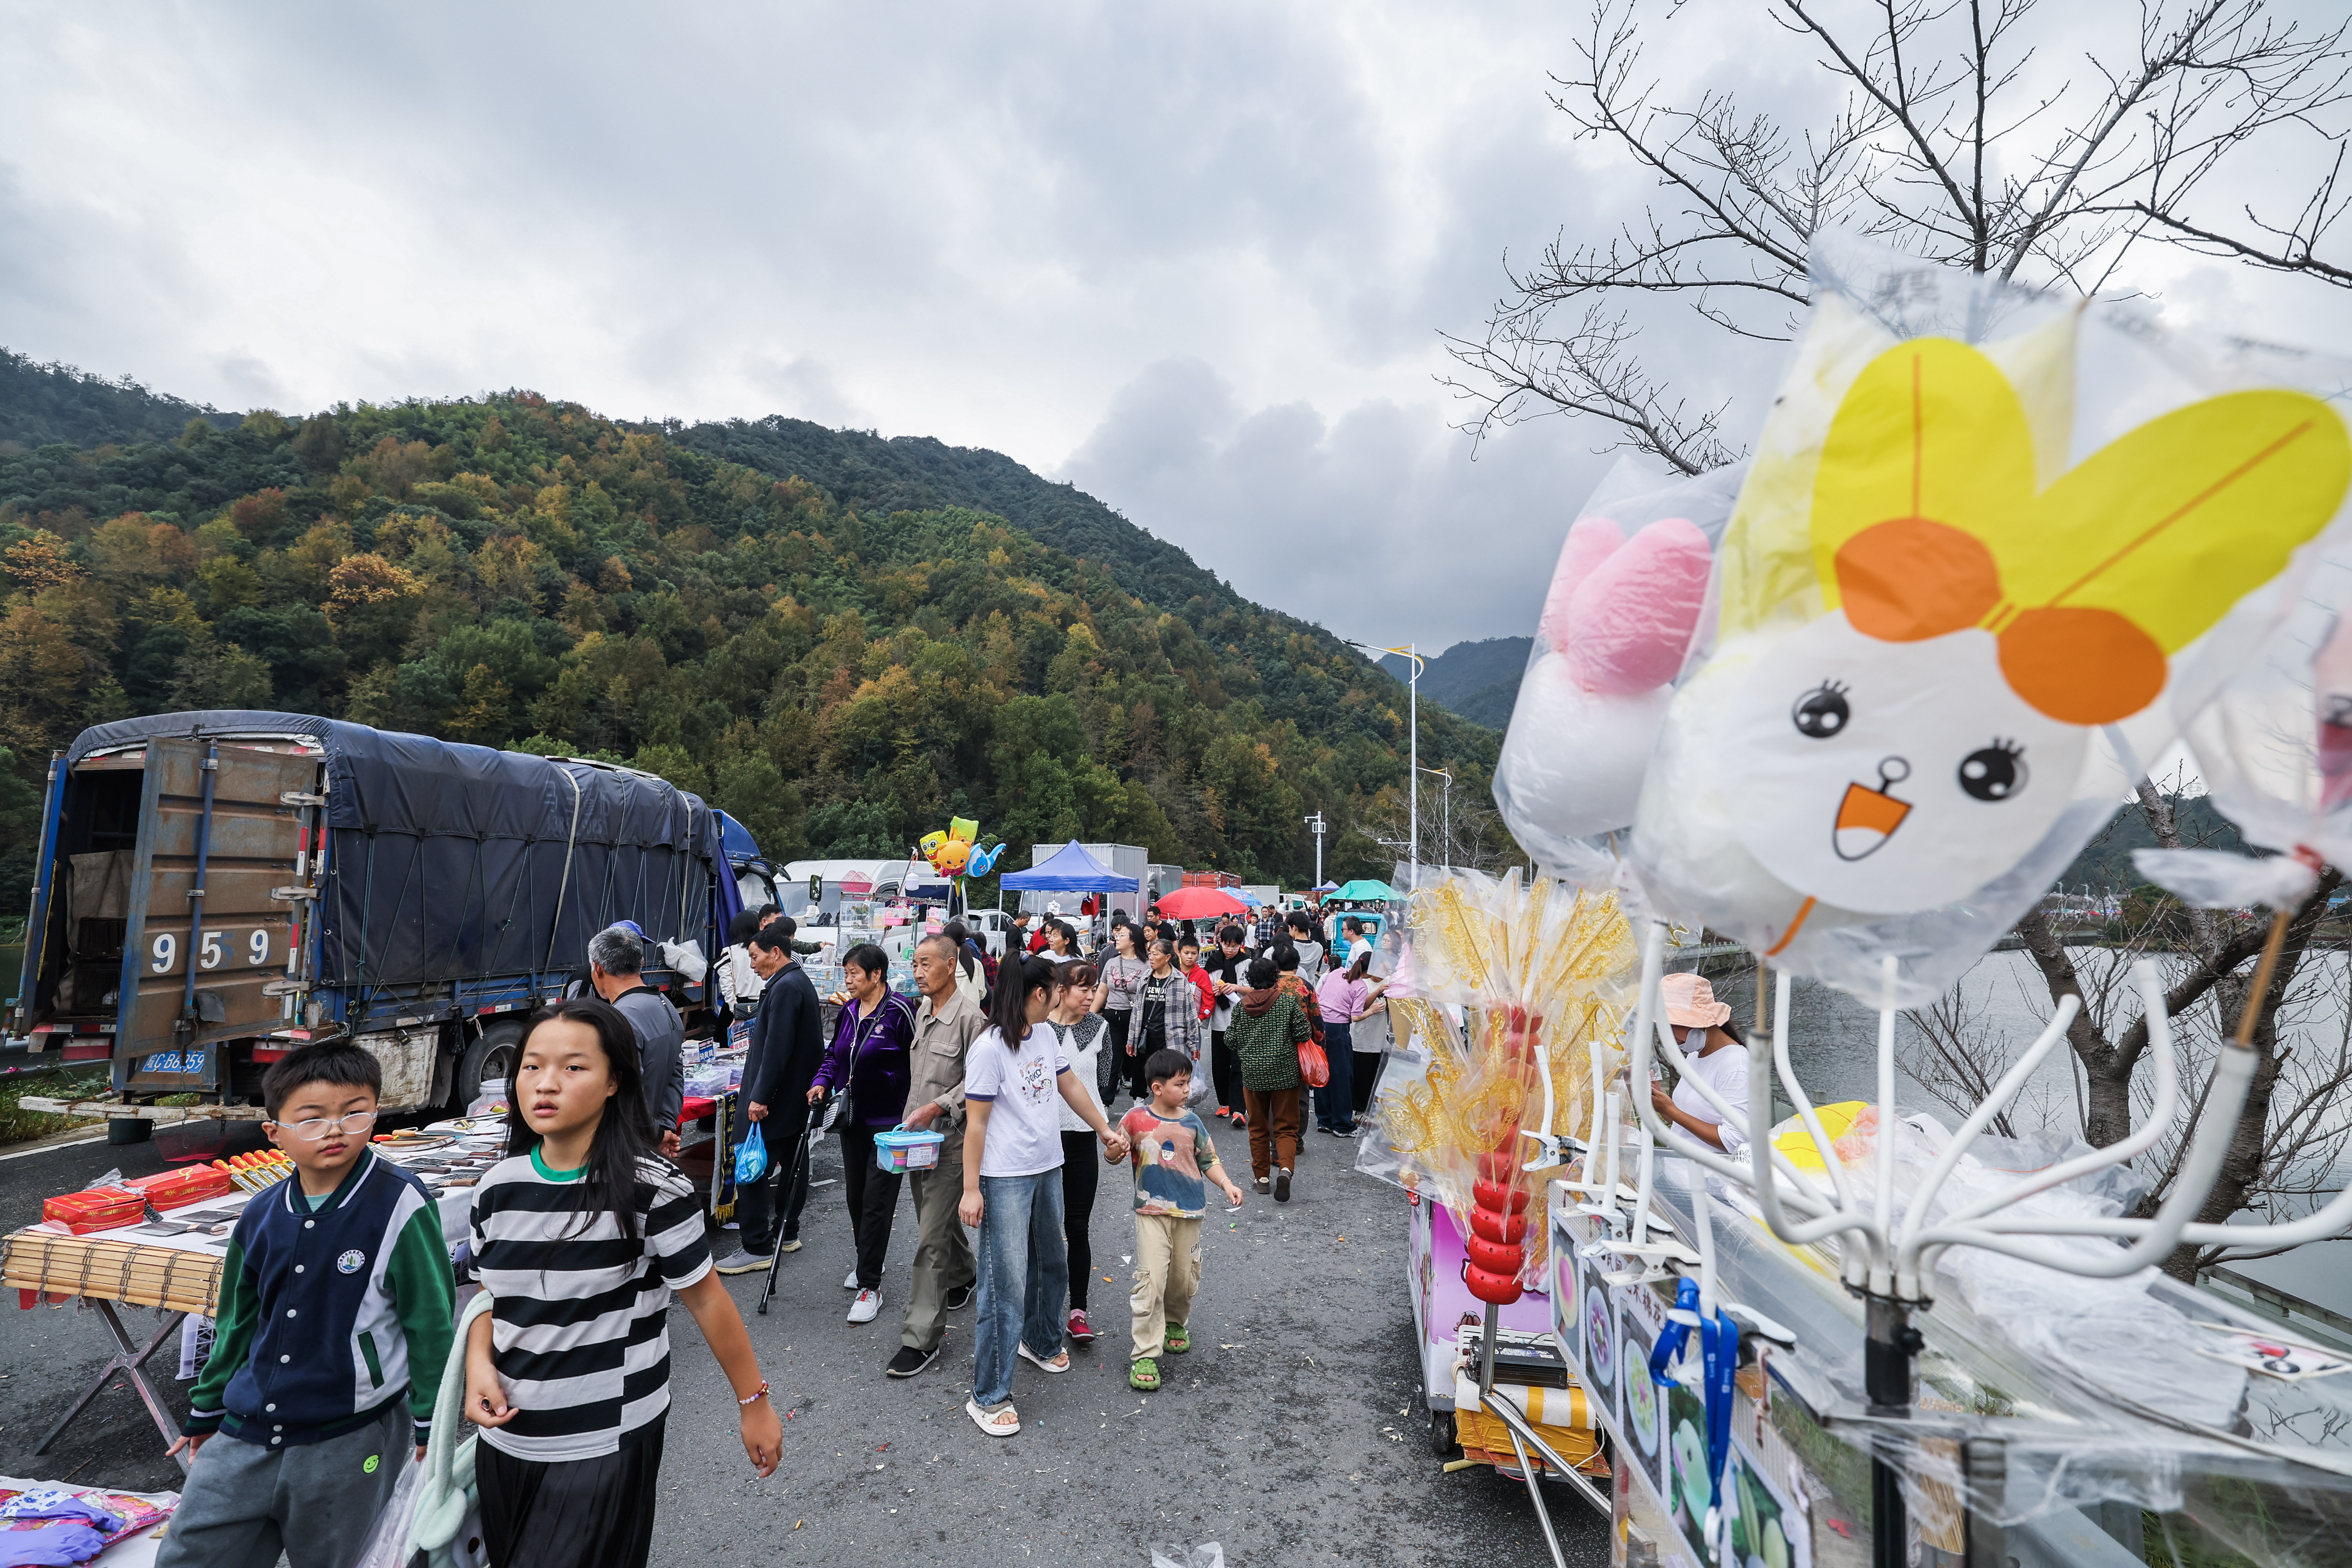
{"x": 1620, "y": 627}
{"x": 1983, "y": 533}
{"x": 2045, "y": 1403}
{"x": 387, "y": 1538}
{"x": 2274, "y": 745}
{"x": 1538, "y": 973}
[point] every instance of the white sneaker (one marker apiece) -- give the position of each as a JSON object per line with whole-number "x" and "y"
{"x": 866, "y": 1308}
{"x": 850, "y": 1282}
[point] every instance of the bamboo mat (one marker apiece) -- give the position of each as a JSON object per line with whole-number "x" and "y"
{"x": 111, "y": 1271}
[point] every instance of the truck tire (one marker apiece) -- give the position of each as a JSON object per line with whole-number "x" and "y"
{"x": 493, "y": 1054}
{"x": 128, "y": 1129}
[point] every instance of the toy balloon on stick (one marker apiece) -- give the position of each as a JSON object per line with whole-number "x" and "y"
{"x": 1621, "y": 626}
{"x": 1953, "y": 594}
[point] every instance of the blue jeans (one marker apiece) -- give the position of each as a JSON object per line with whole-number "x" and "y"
{"x": 1335, "y": 1104}
{"x": 1025, "y": 1272}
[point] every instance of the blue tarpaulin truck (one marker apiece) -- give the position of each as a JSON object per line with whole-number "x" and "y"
{"x": 215, "y": 888}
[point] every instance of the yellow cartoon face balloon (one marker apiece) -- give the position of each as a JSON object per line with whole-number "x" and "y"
{"x": 1932, "y": 608}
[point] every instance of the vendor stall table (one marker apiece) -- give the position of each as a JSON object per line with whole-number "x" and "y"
{"x": 107, "y": 1270}
{"x": 136, "y": 1548}
{"x": 180, "y": 1274}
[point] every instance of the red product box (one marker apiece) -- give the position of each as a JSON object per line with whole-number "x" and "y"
{"x": 98, "y": 1208}
{"x": 178, "y": 1189}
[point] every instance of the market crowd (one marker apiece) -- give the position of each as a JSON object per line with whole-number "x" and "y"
{"x": 1017, "y": 1064}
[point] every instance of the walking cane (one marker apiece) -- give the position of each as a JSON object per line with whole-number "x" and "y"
{"x": 796, "y": 1183}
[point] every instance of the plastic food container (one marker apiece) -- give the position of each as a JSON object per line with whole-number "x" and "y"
{"x": 904, "y": 1149}
{"x": 97, "y": 1208}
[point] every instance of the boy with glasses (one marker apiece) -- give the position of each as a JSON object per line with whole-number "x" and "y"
{"x": 332, "y": 1331}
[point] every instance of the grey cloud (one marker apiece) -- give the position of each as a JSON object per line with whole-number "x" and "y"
{"x": 1376, "y": 523}
{"x": 1192, "y": 258}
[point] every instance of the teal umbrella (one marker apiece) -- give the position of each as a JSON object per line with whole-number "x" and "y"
{"x": 1365, "y": 891}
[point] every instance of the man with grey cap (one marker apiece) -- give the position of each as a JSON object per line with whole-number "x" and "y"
{"x": 616, "y": 961}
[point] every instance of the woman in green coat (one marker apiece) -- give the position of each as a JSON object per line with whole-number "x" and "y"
{"x": 1265, "y": 1032}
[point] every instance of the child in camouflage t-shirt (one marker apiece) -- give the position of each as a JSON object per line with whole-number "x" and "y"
{"x": 1174, "y": 1162}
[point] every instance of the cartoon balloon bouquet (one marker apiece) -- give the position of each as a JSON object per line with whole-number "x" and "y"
{"x": 1924, "y": 627}
{"x": 956, "y": 853}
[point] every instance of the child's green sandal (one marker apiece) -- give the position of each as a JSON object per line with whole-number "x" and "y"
{"x": 1144, "y": 1375}
{"x": 1178, "y": 1338}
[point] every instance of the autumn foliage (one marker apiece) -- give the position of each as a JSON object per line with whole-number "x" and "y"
{"x": 515, "y": 572}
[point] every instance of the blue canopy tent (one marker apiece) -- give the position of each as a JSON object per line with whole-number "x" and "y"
{"x": 1069, "y": 869}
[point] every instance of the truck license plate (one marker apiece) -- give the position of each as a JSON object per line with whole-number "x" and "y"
{"x": 174, "y": 1061}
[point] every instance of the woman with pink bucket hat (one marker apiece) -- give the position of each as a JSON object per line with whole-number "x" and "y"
{"x": 1714, "y": 1051}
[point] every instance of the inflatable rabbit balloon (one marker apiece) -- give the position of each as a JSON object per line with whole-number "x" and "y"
{"x": 1619, "y": 628}
{"x": 1952, "y": 596}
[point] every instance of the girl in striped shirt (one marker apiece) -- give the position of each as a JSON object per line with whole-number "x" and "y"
{"x": 579, "y": 1234}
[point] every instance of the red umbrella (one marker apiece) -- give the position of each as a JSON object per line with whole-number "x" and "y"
{"x": 1201, "y": 903}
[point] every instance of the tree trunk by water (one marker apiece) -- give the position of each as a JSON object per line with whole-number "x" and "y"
{"x": 2109, "y": 1063}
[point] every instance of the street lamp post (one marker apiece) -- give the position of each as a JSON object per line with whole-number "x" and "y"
{"x": 1413, "y": 724}
{"x": 1445, "y": 822}
{"x": 1314, "y": 822}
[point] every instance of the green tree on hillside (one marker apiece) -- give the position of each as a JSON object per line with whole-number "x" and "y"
{"x": 515, "y": 572}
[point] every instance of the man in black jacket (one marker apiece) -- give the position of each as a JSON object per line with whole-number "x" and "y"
{"x": 787, "y": 1045}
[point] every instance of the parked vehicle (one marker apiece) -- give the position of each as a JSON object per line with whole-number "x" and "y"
{"x": 217, "y": 889}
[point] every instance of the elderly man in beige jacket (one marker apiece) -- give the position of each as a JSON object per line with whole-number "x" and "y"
{"x": 947, "y": 1022}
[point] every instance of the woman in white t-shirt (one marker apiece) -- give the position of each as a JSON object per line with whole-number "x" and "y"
{"x": 1714, "y": 1052}
{"x": 1013, "y": 1076}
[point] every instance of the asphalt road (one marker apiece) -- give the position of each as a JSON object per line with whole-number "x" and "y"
{"x": 1290, "y": 1434}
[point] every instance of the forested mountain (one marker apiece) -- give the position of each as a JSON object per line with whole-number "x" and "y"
{"x": 952, "y": 637}
{"x": 916, "y": 473}
{"x": 43, "y": 402}
{"x": 1473, "y": 680}
{"x": 2106, "y": 863}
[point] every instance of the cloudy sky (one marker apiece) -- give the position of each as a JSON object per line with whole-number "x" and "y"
{"x": 1192, "y": 259}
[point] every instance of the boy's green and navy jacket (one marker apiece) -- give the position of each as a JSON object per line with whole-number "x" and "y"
{"x": 328, "y": 1314}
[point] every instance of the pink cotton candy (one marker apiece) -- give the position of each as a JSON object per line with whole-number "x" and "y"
{"x": 1630, "y": 618}
{"x": 1590, "y": 543}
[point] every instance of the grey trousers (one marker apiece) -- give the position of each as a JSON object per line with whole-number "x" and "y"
{"x": 246, "y": 1503}
{"x": 943, "y": 1260}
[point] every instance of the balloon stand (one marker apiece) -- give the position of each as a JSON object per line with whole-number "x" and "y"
{"x": 1862, "y": 1338}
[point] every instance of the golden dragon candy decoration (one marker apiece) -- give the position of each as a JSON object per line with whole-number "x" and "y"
{"x": 1541, "y": 975}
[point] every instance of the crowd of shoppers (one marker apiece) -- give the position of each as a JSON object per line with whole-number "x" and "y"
{"x": 1017, "y": 1062}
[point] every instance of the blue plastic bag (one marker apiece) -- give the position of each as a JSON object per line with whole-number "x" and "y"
{"x": 752, "y": 1156}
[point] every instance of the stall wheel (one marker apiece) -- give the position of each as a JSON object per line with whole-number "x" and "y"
{"x": 1442, "y": 1438}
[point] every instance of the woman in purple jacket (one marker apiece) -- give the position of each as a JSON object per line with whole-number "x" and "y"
{"x": 868, "y": 1059}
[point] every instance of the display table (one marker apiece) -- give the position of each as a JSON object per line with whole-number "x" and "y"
{"x": 178, "y": 1275}
{"x": 137, "y": 1548}
{"x": 109, "y": 1269}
